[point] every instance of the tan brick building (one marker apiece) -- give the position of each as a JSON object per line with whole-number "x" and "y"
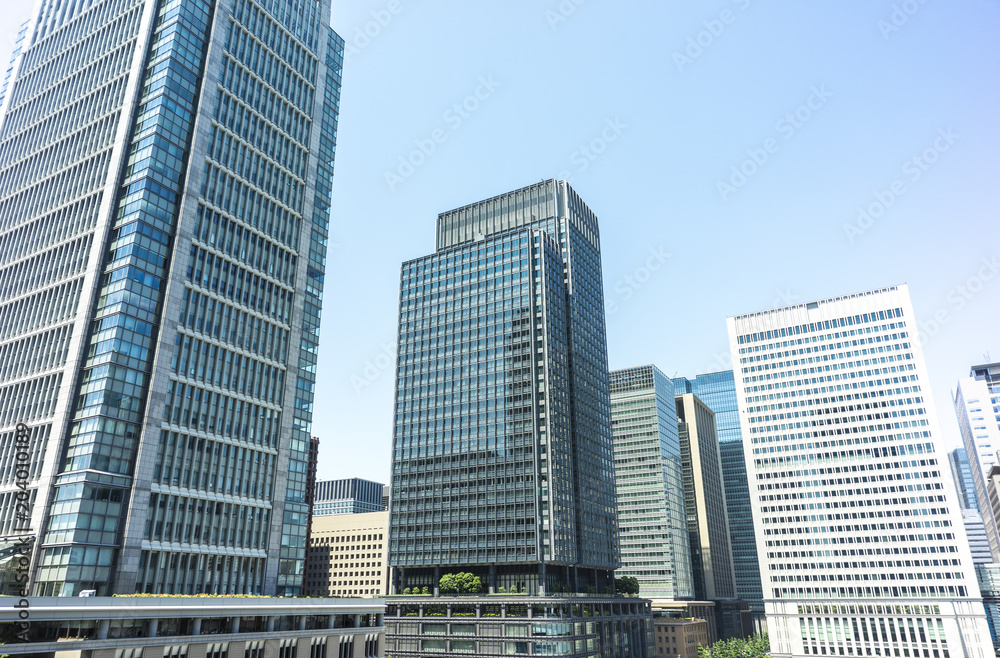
{"x": 679, "y": 637}
{"x": 347, "y": 555}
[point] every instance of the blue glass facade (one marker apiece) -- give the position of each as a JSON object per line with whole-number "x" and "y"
{"x": 502, "y": 444}
{"x": 188, "y": 155}
{"x": 962, "y": 472}
{"x": 718, "y": 391}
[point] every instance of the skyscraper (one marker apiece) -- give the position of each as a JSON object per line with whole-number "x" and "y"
{"x": 859, "y": 531}
{"x": 961, "y": 470}
{"x": 708, "y": 525}
{"x": 718, "y": 391}
{"x": 977, "y": 407}
{"x": 502, "y": 451}
{"x": 165, "y": 178}
{"x": 649, "y": 483}
{"x": 348, "y": 496}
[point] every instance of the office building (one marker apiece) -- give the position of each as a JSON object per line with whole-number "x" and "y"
{"x": 649, "y": 479}
{"x": 961, "y": 470}
{"x": 165, "y": 179}
{"x": 718, "y": 391}
{"x": 502, "y": 449}
{"x": 975, "y": 532}
{"x": 15, "y": 59}
{"x": 519, "y": 626}
{"x": 708, "y": 525}
{"x": 348, "y": 555}
{"x": 193, "y": 627}
{"x": 989, "y": 586}
{"x": 977, "y": 407}
{"x": 859, "y": 529}
{"x": 680, "y": 637}
{"x": 349, "y": 496}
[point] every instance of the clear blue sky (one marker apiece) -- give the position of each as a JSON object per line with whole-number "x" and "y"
{"x": 681, "y": 118}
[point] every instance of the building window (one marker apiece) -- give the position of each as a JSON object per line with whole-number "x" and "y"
{"x": 217, "y": 650}
{"x": 176, "y": 651}
{"x": 318, "y": 648}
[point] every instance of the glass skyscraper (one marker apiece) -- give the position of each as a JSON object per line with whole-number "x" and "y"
{"x": 977, "y": 407}
{"x": 708, "y": 527}
{"x": 718, "y": 391}
{"x": 502, "y": 451}
{"x": 165, "y": 178}
{"x": 860, "y": 536}
{"x": 348, "y": 496}
{"x": 650, "y": 484}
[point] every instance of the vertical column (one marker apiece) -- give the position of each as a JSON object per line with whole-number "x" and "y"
{"x": 234, "y": 625}
{"x": 154, "y": 625}
{"x": 437, "y": 581}
{"x": 196, "y": 626}
{"x": 102, "y": 629}
{"x": 541, "y": 579}
{"x": 493, "y": 579}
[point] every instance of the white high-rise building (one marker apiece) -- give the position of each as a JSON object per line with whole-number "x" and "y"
{"x": 977, "y": 407}
{"x": 859, "y": 531}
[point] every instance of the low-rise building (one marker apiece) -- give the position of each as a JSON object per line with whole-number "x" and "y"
{"x": 348, "y": 555}
{"x": 680, "y": 637}
{"x": 193, "y": 627}
{"x": 513, "y": 625}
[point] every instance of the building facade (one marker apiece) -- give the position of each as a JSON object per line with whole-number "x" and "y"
{"x": 961, "y": 470}
{"x": 680, "y": 637}
{"x": 649, "y": 482}
{"x": 581, "y": 627}
{"x": 349, "y": 496}
{"x": 977, "y": 407}
{"x": 705, "y": 502}
{"x": 718, "y": 391}
{"x": 348, "y": 555}
{"x": 989, "y": 586}
{"x": 189, "y": 627}
{"x": 858, "y": 525}
{"x": 502, "y": 451}
{"x": 165, "y": 179}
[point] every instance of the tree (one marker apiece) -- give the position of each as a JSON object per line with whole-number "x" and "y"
{"x": 627, "y": 585}
{"x": 406, "y": 590}
{"x": 757, "y": 646}
{"x": 468, "y": 583}
{"x": 449, "y": 584}
{"x": 426, "y": 591}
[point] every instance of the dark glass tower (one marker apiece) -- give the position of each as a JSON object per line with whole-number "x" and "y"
{"x": 718, "y": 391}
{"x": 502, "y": 450}
{"x": 165, "y": 179}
